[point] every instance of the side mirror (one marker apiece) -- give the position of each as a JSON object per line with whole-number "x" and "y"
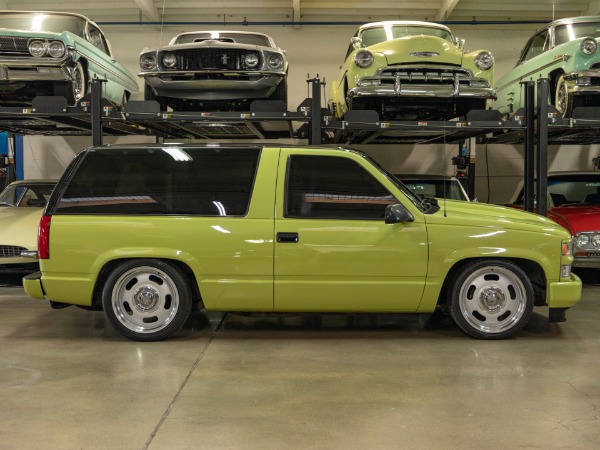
{"x": 460, "y": 43}
{"x": 356, "y": 42}
{"x": 397, "y": 214}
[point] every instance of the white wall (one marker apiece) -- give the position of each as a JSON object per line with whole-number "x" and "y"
{"x": 320, "y": 50}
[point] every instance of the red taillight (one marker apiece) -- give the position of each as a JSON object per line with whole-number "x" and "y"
{"x": 44, "y": 238}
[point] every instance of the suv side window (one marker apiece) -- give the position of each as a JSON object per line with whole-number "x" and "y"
{"x": 209, "y": 181}
{"x": 329, "y": 187}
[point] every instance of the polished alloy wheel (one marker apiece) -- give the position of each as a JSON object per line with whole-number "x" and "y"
{"x": 145, "y": 299}
{"x": 492, "y": 299}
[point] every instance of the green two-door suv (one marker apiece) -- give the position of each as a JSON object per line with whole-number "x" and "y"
{"x": 148, "y": 232}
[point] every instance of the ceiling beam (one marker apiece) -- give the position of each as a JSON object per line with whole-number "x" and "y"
{"x": 446, "y": 9}
{"x": 148, "y": 9}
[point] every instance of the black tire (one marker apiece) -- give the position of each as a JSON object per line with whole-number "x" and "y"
{"x": 146, "y": 299}
{"x": 491, "y": 299}
{"x": 149, "y": 95}
{"x": 563, "y": 101}
{"x": 281, "y": 92}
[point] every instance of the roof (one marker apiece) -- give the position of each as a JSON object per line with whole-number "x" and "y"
{"x": 407, "y": 23}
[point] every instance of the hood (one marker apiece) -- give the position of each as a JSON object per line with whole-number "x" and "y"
{"x": 216, "y": 44}
{"x": 483, "y": 215}
{"x": 30, "y": 34}
{"x": 577, "y": 218}
{"x": 406, "y": 50}
{"x": 19, "y": 226}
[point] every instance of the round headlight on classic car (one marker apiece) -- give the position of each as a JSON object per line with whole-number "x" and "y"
{"x": 589, "y": 46}
{"x": 56, "y": 49}
{"x": 37, "y": 48}
{"x": 275, "y": 61}
{"x": 148, "y": 62}
{"x": 583, "y": 240}
{"x": 169, "y": 60}
{"x": 484, "y": 60}
{"x": 363, "y": 59}
{"x": 251, "y": 60}
{"x": 596, "y": 240}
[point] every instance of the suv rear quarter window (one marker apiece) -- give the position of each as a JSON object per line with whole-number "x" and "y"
{"x": 209, "y": 181}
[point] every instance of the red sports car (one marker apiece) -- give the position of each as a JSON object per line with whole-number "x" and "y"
{"x": 574, "y": 202}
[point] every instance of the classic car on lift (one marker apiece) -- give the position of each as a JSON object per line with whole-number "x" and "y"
{"x": 564, "y": 51}
{"x": 410, "y": 71}
{"x": 21, "y": 207}
{"x": 54, "y": 53}
{"x": 574, "y": 203}
{"x": 215, "y": 70}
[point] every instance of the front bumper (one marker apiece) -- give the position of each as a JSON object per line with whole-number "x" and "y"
{"x": 229, "y": 86}
{"x": 589, "y": 261}
{"x": 34, "y": 69}
{"x": 564, "y": 294}
{"x": 583, "y": 83}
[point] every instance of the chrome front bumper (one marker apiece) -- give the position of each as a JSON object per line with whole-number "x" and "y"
{"x": 581, "y": 83}
{"x": 233, "y": 86}
{"x": 587, "y": 262}
{"x": 417, "y": 90}
{"x": 34, "y": 69}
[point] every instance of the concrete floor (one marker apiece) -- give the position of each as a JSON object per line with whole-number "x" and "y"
{"x": 68, "y": 381}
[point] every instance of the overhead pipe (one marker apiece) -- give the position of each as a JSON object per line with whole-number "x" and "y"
{"x": 313, "y": 23}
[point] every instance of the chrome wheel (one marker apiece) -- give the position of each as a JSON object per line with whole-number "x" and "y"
{"x": 562, "y": 100}
{"x": 146, "y": 299}
{"x": 78, "y": 85}
{"x": 492, "y": 300}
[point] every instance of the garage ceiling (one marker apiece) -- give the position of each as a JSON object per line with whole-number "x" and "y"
{"x": 328, "y": 11}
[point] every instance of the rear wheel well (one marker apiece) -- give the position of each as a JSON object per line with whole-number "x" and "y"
{"x": 111, "y": 265}
{"x": 533, "y": 270}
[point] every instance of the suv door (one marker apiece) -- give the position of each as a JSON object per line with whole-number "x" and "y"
{"x": 333, "y": 250}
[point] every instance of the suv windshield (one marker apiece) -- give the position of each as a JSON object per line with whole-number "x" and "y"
{"x": 372, "y": 36}
{"x": 55, "y": 23}
{"x": 240, "y": 38}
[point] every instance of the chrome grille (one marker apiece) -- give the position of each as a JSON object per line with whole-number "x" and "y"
{"x": 212, "y": 58}
{"x": 420, "y": 75}
{"x": 10, "y": 251}
{"x": 14, "y": 46}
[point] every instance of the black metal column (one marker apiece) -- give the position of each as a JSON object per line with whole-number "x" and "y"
{"x": 96, "y": 110}
{"x": 529, "y": 169}
{"x": 472, "y": 153}
{"x": 542, "y": 146}
{"x": 316, "y": 116}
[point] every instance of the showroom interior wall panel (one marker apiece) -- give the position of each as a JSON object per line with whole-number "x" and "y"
{"x": 321, "y": 50}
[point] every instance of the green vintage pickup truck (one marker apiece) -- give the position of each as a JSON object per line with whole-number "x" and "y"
{"x": 147, "y": 232}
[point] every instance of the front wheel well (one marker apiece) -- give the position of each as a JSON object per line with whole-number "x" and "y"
{"x": 111, "y": 265}
{"x": 533, "y": 270}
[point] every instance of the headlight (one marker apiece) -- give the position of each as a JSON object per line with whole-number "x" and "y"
{"x": 275, "y": 61}
{"x": 251, "y": 60}
{"x": 596, "y": 240}
{"x": 56, "y": 49}
{"x": 589, "y": 46}
{"x": 484, "y": 60}
{"x": 583, "y": 240}
{"x": 363, "y": 59}
{"x": 148, "y": 62}
{"x": 37, "y": 48}
{"x": 169, "y": 60}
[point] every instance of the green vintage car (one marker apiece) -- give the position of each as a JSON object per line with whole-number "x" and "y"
{"x": 411, "y": 71}
{"x": 566, "y": 52}
{"x": 55, "y": 53}
{"x": 147, "y": 232}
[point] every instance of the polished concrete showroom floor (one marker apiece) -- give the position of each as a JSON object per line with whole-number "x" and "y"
{"x": 68, "y": 381}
